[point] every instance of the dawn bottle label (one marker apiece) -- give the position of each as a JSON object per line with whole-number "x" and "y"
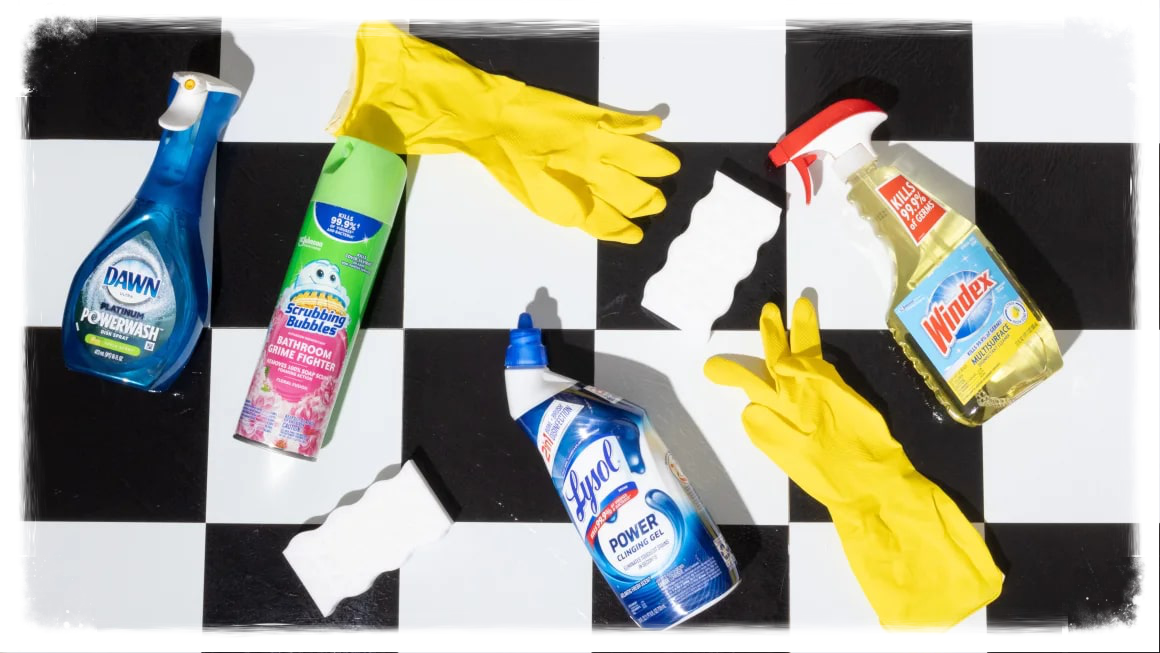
{"x": 126, "y": 309}
{"x": 967, "y": 318}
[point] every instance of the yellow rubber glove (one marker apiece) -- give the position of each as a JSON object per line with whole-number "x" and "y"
{"x": 570, "y": 162}
{"x": 919, "y": 561}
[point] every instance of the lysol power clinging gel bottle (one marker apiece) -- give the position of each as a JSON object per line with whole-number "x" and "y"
{"x": 958, "y": 312}
{"x": 639, "y": 517}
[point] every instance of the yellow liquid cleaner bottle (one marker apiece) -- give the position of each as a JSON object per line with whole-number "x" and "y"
{"x": 959, "y": 314}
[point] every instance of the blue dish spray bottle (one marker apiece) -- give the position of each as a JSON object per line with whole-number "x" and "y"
{"x": 139, "y": 301}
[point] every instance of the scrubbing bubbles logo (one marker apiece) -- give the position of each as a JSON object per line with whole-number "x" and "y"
{"x": 959, "y": 307}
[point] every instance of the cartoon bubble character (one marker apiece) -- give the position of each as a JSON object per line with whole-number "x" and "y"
{"x": 320, "y": 276}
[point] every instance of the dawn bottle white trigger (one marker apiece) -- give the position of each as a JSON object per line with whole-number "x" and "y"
{"x": 958, "y": 312}
{"x": 637, "y": 514}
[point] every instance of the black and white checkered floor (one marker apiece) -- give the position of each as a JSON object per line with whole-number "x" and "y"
{"x": 143, "y": 511}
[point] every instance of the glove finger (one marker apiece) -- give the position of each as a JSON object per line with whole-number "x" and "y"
{"x": 557, "y": 195}
{"x": 773, "y": 338}
{"x": 726, "y": 371}
{"x": 606, "y": 223}
{"x": 804, "y": 337}
{"x": 775, "y": 437}
{"x": 618, "y": 122}
{"x": 637, "y": 156}
{"x": 626, "y": 193}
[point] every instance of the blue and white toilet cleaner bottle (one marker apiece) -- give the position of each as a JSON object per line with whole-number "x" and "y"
{"x": 640, "y": 518}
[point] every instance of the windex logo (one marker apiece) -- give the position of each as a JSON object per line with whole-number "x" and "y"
{"x": 949, "y": 319}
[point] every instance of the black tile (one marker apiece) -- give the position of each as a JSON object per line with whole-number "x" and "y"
{"x": 263, "y": 192}
{"x": 108, "y": 79}
{"x": 622, "y": 270}
{"x": 946, "y": 452}
{"x": 1060, "y": 215}
{"x": 804, "y": 508}
{"x": 248, "y": 582}
{"x": 921, "y": 75}
{"x": 762, "y": 598}
{"x": 556, "y": 56}
{"x": 456, "y": 422}
{"x": 1075, "y": 575}
{"x": 113, "y": 453}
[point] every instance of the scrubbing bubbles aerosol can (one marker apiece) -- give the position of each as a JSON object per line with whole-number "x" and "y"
{"x": 139, "y": 300}
{"x": 959, "y": 314}
{"x": 639, "y": 517}
{"x": 330, "y": 277}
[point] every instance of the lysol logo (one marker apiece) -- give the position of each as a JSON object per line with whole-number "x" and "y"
{"x": 131, "y": 281}
{"x": 580, "y": 489}
{"x": 958, "y": 307}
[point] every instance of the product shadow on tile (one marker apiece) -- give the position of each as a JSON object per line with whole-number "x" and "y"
{"x": 239, "y": 69}
{"x": 237, "y": 66}
{"x": 679, "y": 432}
{"x": 1055, "y": 297}
{"x": 545, "y": 310}
{"x": 340, "y": 400}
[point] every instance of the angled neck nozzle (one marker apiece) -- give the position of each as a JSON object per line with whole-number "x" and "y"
{"x": 525, "y": 346}
{"x": 200, "y": 107}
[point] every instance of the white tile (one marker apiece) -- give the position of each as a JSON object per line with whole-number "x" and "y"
{"x": 823, "y": 591}
{"x": 719, "y": 83}
{"x": 1055, "y": 81}
{"x": 248, "y": 484}
{"x": 475, "y": 256}
{"x": 700, "y": 421}
{"x": 115, "y": 575}
{"x": 76, "y": 189}
{"x": 834, "y": 251}
{"x": 293, "y": 75}
{"x": 1064, "y": 452}
{"x": 483, "y": 575}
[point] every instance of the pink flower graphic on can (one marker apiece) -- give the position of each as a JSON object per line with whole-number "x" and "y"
{"x": 295, "y": 384}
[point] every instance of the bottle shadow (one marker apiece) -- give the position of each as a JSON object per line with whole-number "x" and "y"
{"x": 652, "y": 390}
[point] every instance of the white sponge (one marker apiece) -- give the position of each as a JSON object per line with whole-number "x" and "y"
{"x": 358, "y": 542}
{"x": 719, "y": 249}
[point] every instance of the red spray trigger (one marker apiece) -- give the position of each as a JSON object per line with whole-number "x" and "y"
{"x": 835, "y": 130}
